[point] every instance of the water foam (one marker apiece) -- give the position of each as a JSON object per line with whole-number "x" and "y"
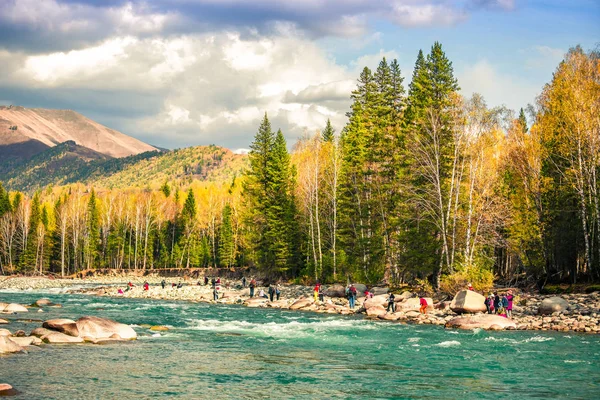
{"x": 449, "y": 343}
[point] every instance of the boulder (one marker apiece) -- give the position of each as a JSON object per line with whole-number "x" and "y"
{"x": 13, "y": 307}
{"x": 60, "y": 338}
{"x": 404, "y": 296}
{"x": 278, "y": 304}
{"x": 379, "y": 290}
{"x": 7, "y": 390}
{"x": 376, "y": 311}
{"x": 25, "y": 341}
{"x": 374, "y": 301}
{"x": 389, "y": 316}
{"x": 360, "y": 288}
{"x": 484, "y": 321}
{"x": 7, "y": 345}
{"x": 101, "y": 328}
{"x": 442, "y": 305}
{"x": 67, "y": 326}
{"x": 468, "y": 301}
{"x": 5, "y": 332}
{"x": 300, "y": 304}
{"x": 335, "y": 291}
{"x": 40, "y": 332}
{"x": 2, "y": 306}
{"x": 414, "y": 304}
{"x": 553, "y": 304}
{"x": 255, "y": 302}
{"x": 42, "y": 303}
{"x": 3, "y": 321}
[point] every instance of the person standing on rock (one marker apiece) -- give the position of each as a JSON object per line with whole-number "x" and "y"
{"x": 316, "y": 291}
{"x": 509, "y": 298}
{"x": 321, "y": 294}
{"x": 496, "y": 302}
{"x": 423, "y": 303}
{"x": 391, "y": 304}
{"x": 252, "y": 286}
{"x": 205, "y": 280}
{"x": 489, "y": 303}
{"x": 271, "y": 292}
{"x": 351, "y": 296}
{"x": 215, "y": 293}
{"x": 277, "y": 291}
{"x": 146, "y": 285}
{"x": 243, "y": 281}
{"x": 163, "y": 283}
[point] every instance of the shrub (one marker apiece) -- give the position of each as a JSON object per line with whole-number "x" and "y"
{"x": 482, "y": 280}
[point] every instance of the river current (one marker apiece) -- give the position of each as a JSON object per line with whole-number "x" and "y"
{"x": 234, "y": 352}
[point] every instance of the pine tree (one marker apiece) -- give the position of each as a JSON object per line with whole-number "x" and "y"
{"x": 93, "y": 244}
{"x": 166, "y": 189}
{"x": 523, "y": 121}
{"x": 4, "y": 201}
{"x": 226, "y": 245}
{"x": 328, "y": 134}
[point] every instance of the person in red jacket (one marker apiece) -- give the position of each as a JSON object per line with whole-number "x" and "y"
{"x": 146, "y": 286}
{"x": 423, "y": 302}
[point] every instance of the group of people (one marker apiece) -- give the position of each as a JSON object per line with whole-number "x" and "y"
{"x": 500, "y": 304}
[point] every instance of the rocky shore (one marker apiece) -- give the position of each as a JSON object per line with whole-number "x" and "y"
{"x": 565, "y": 313}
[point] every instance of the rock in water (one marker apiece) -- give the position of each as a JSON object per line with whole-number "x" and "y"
{"x": 335, "y": 291}
{"x": 7, "y": 390}
{"x": 301, "y": 303}
{"x": 553, "y": 304}
{"x": 101, "y": 328}
{"x": 484, "y": 321}
{"x": 67, "y": 326}
{"x": 42, "y": 303}
{"x": 60, "y": 338}
{"x": 467, "y": 301}
{"x": 8, "y": 346}
{"x": 5, "y": 332}
{"x": 3, "y": 321}
{"x": 13, "y": 307}
{"x": 376, "y": 311}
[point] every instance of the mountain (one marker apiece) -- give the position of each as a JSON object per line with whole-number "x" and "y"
{"x": 69, "y": 163}
{"x": 25, "y": 132}
{"x": 204, "y": 163}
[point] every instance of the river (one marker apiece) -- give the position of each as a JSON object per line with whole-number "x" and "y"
{"x": 234, "y": 352}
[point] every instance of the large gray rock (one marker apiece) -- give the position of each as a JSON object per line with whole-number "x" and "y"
{"x": 8, "y": 346}
{"x": 360, "y": 288}
{"x": 468, "y": 301}
{"x": 379, "y": 290}
{"x": 301, "y": 303}
{"x": 414, "y": 304}
{"x": 102, "y": 328}
{"x": 60, "y": 338}
{"x": 67, "y": 326}
{"x": 40, "y": 332}
{"x": 335, "y": 291}
{"x": 553, "y": 304}
{"x": 483, "y": 321}
{"x": 13, "y": 307}
{"x": 375, "y": 301}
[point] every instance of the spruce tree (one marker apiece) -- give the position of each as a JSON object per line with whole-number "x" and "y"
{"x": 4, "y": 201}
{"x": 226, "y": 245}
{"x": 523, "y": 121}
{"x": 93, "y": 230}
{"x": 328, "y": 134}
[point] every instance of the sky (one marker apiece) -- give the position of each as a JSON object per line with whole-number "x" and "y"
{"x": 178, "y": 73}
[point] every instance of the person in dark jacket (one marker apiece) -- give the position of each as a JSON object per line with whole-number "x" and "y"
{"x": 496, "y": 302}
{"x": 489, "y": 303}
{"x": 391, "y": 303}
{"x": 252, "y": 286}
{"x": 271, "y": 292}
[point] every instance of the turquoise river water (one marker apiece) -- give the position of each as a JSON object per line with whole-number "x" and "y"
{"x": 234, "y": 352}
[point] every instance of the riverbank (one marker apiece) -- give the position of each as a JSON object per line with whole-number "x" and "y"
{"x": 579, "y": 312}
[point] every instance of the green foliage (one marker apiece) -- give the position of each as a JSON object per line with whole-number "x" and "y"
{"x": 481, "y": 278}
{"x": 328, "y": 134}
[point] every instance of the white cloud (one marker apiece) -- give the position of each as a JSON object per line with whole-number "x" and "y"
{"x": 497, "y": 88}
{"x": 423, "y": 14}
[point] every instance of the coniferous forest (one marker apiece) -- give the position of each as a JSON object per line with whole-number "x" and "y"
{"x": 421, "y": 185}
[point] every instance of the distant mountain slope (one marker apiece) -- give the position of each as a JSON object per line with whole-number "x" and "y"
{"x": 69, "y": 163}
{"x": 52, "y": 127}
{"x": 205, "y": 163}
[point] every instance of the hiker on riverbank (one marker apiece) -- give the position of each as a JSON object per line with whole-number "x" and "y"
{"x": 163, "y": 283}
{"x": 146, "y": 285}
{"x": 252, "y": 286}
{"x": 206, "y": 281}
{"x": 243, "y": 281}
{"x": 316, "y": 291}
{"x": 321, "y": 294}
{"x": 423, "y": 303}
{"x": 391, "y": 302}
{"x": 271, "y": 292}
{"x": 509, "y": 297}
{"x": 496, "y": 302}
{"x": 277, "y": 291}
{"x": 216, "y": 293}
{"x": 351, "y": 293}
{"x": 489, "y": 303}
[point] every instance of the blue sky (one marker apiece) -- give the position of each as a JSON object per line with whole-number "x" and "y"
{"x": 190, "y": 72}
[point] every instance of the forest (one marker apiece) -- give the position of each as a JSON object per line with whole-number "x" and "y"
{"x": 422, "y": 185}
